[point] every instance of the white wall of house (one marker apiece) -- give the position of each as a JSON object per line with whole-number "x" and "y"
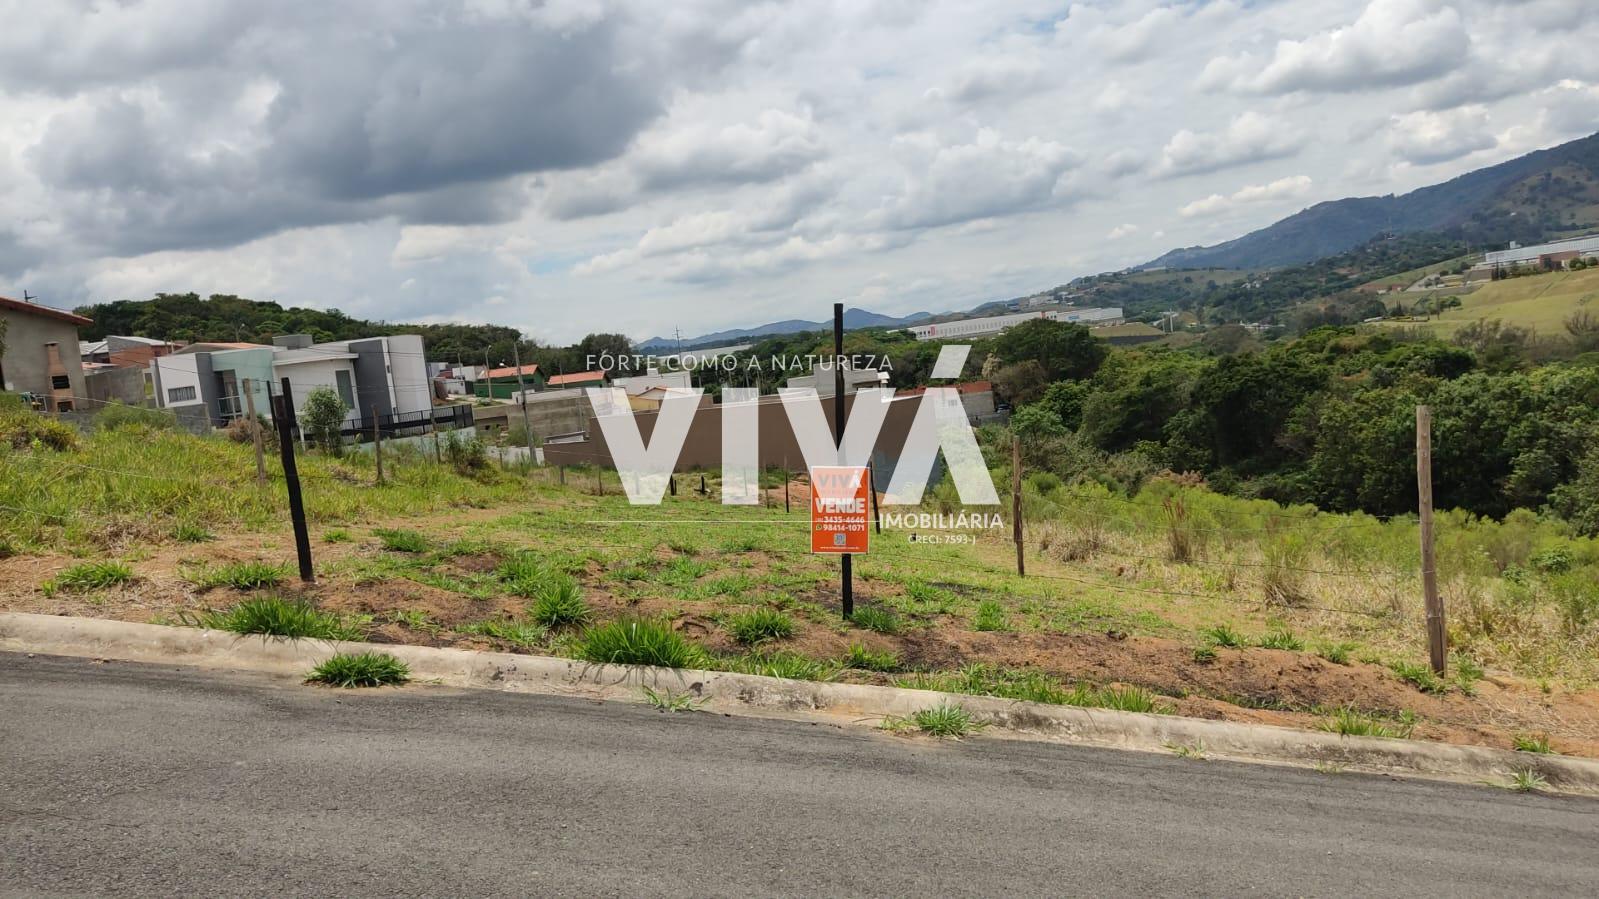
{"x": 408, "y": 374}
{"x": 177, "y": 375}
{"x": 305, "y": 375}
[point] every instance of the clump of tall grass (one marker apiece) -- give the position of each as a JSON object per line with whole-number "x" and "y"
{"x": 790, "y": 665}
{"x": 1419, "y": 676}
{"x": 990, "y": 616}
{"x": 637, "y": 641}
{"x": 275, "y": 616}
{"x": 874, "y": 619}
{"x": 866, "y": 659}
{"x": 1348, "y": 721}
{"x": 87, "y": 576}
{"x": 558, "y": 602}
{"x": 948, "y": 721}
{"x": 760, "y": 626}
{"x": 520, "y": 634}
{"x": 251, "y": 575}
{"x": 366, "y": 669}
{"x": 401, "y": 541}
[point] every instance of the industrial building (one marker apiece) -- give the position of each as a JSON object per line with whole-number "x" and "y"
{"x": 1553, "y": 253}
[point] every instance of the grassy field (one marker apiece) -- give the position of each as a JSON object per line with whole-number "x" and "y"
{"x": 1174, "y": 600}
{"x": 1541, "y": 302}
{"x": 1407, "y": 278}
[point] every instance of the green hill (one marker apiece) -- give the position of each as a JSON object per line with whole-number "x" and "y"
{"x": 1529, "y": 198}
{"x": 1540, "y": 302}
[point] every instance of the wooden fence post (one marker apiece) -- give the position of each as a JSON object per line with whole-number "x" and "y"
{"x": 1437, "y": 636}
{"x": 255, "y": 431}
{"x": 1016, "y": 502}
{"x": 377, "y": 445}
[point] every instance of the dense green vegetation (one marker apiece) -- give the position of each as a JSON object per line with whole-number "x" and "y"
{"x": 1328, "y": 419}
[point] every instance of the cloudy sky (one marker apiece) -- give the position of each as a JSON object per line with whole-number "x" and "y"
{"x": 577, "y": 166}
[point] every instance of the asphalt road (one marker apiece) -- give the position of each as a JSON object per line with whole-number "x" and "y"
{"x": 139, "y": 779}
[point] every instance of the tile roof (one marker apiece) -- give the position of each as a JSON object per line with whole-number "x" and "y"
{"x": 46, "y": 311}
{"x": 581, "y": 377}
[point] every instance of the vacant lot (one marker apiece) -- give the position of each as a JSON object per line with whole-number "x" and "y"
{"x": 1175, "y": 600}
{"x": 1540, "y": 302}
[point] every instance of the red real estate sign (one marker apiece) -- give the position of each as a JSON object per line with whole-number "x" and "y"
{"x": 839, "y": 504}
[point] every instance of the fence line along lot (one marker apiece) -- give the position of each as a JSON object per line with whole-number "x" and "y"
{"x": 1174, "y": 599}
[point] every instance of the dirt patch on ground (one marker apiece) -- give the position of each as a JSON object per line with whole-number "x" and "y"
{"x": 1255, "y": 685}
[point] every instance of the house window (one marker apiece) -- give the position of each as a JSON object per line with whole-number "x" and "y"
{"x": 342, "y": 379}
{"x": 180, "y": 394}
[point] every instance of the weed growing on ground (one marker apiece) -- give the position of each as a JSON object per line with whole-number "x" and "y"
{"x": 1204, "y": 654}
{"x": 870, "y": 660}
{"x": 637, "y": 641}
{"x": 942, "y": 720}
{"x": 559, "y": 602}
{"x": 401, "y": 541}
{"x": 254, "y": 575}
{"x": 87, "y": 576}
{"x": 1281, "y": 640}
{"x": 1195, "y": 750}
{"x": 990, "y": 617}
{"x": 1538, "y": 743}
{"x": 1347, "y": 721}
{"x": 1527, "y": 780}
{"x": 1337, "y": 653}
{"x": 667, "y": 701}
{"x": 366, "y": 669}
{"x": 413, "y": 619}
{"x": 760, "y": 626}
{"x": 789, "y": 665}
{"x": 275, "y": 616}
{"x": 520, "y": 634}
{"x": 336, "y": 535}
{"x": 874, "y": 619}
{"x": 1224, "y": 635}
{"x": 1419, "y": 676}
{"x": 190, "y": 532}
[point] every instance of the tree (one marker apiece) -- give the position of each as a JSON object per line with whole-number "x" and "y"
{"x": 612, "y": 346}
{"x": 1063, "y": 350}
{"x": 322, "y": 418}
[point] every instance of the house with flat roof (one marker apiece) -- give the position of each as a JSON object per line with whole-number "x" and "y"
{"x": 384, "y": 377}
{"x": 40, "y": 357}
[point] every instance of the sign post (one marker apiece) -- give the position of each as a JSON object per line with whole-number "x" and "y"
{"x": 840, "y": 510}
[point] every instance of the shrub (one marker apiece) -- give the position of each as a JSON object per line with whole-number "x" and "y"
{"x": 120, "y": 415}
{"x": 26, "y": 429}
{"x": 637, "y": 641}
{"x": 253, "y": 575}
{"x": 367, "y": 669}
{"x": 322, "y": 417}
{"x": 467, "y": 456}
{"x": 990, "y": 616}
{"x": 275, "y": 616}
{"x": 401, "y": 541}
{"x": 559, "y": 602}
{"x": 88, "y": 576}
{"x": 874, "y": 619}
{"x": 760, "y": 626}
{"x": 243, "y": 430}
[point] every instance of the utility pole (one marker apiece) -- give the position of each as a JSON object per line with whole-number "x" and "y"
{"x": 1437, "y": 637}
{"x": 846, "y": 569}
{"x": 255, "y": 433}
{"x": 521, "y": 387}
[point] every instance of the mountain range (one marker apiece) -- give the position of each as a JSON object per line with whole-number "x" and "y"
{"x": 1530, "y": 197}
{"x": 853, "y": 318}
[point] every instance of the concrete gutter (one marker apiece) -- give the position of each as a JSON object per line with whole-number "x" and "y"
{"x": 751, "y": 695}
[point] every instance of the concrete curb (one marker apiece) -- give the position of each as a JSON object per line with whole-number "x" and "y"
{"x": 775, "y": 697}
